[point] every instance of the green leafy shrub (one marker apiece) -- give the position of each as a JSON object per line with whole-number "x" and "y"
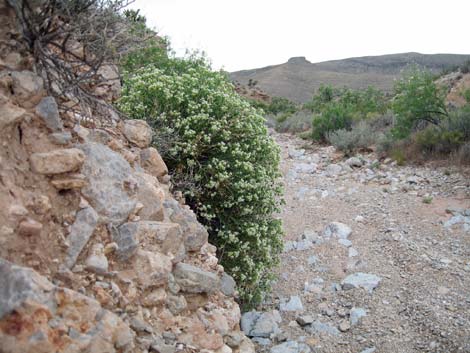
{"x": 222, "y": 145}
{"x": 359, "y": 137}
{"x": 335, "y": 117}
{"x": 417, "y": 100}
{"x": 281, "y": 105}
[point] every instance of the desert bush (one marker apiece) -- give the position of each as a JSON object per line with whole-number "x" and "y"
{"x": 334, "y": 117}
{"x": 224, "y": 146}
{"x": 281, "y": 105}
{"x": 72, "y": 41}
{"x": 360, "y": 136}
{"x": 418, "y": 101}
{"x": 297, "y": 122}
{"x": 435, "y": 140}
{"x": 463, "y": 154}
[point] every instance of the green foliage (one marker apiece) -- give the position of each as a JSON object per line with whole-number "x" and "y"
{"x": 335, "y": 116}
{"x": 417, "y": 100}
{"x": 325, "y": 95}
{"x": 427, "y": 199}
{"x": 281, "y": 105}
{"x": 221, "y": 144}
{"x": 466, "y": 95}
{"x": 359, "y": 137}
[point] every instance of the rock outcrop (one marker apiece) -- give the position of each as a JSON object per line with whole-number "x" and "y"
{"x": 95, "y": 253}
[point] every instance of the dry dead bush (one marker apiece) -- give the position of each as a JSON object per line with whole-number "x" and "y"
{"x": 75, "y": 44}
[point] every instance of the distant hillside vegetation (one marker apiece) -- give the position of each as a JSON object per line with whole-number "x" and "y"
{"x": 298, "y": 78}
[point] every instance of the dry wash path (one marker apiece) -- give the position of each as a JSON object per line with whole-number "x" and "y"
{"x": 376, "y": 258}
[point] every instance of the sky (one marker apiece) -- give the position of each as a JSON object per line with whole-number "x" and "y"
{"x": 247, "y": 34}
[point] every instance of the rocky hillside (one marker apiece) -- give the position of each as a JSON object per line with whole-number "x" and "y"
{"x": 96, "y": 254}
{"x": 298, "y": 78}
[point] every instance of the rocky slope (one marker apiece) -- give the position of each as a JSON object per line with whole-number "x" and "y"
{"x": 96, "y": 254}
{"x": 298, "y": 78}
{"x": 376, "y": 257}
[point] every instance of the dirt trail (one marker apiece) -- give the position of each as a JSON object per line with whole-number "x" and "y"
{"x": 409, "y": 242}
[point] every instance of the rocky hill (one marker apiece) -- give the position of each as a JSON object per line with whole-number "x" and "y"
{"x": 96, "y": 254}
{"x": 298, "y": 78}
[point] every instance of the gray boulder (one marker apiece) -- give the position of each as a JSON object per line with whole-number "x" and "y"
{"x": 108, "y": 175}
{"x": 356, "y": 314}
{"x": 291, "y": 347}
{"x": 227, "y": 285}
{"x": 192, "y": 279}
{"x": 338, "y": 230}
{"x": 259, "y": 324}
{"x": 48, "y": 111}
{"x": 364, "y": 280}
{"x": 320, "y": 328}
{"x": 81, "y": 231}
{"x": 293, "y": 304}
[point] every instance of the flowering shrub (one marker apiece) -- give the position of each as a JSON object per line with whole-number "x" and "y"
{"x": 221, "y": 143}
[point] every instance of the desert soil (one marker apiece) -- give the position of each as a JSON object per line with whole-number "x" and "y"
{"x": 397, "y": 215}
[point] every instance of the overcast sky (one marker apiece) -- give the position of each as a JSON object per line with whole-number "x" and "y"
{"x": 247, "y": 34}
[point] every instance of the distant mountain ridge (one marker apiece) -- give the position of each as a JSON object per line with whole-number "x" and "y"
{"x": 298, "y": 78}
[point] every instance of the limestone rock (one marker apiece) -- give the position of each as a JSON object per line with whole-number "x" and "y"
{"x": 57, "y": 313}
{"x": 57, "y": 161}
{"x": 227, "y": 285}
{"x": 194, "y": 234}
{"x": 81, "y": 231}
{"x": 293, "y": 304}
{"x": 137, "y": 132}
{"x": 27, "y": 88}
{"x": 157, "y": 236}
{"x": 97, "y": 261}
{"x": 356, "y": 314}
{"x": 127, "y": 239}
{"x": 107, "y": 173}
{"x": 150, "y": 195}
{"x": 48, "y": 111}
{"x": 365, "y": 280}
{"x": 192, "y": 279}
{"x": 152, "y": 269}
{"x": 152, "y": 162}
{"x": 10, "y": 114}
{"x": 337, "y": 229}
{"x": 61, "y": 138}
{"x": 318, "y": 327}
{"x": 291, "y": 347}
{"x": 259, "y": 324}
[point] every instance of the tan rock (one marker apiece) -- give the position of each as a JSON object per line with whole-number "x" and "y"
{"x": 151, "y": 195}
{"x": 41, "y": 204}
{"x": 29, "y": 227}
{"x": 246, "y": 346}
{"x": 137, "y": 132}
{"x": 10, "y": 114}
{"x": 153, "y": 163}
{"x": 76, "y": 181}
{"x": 156, "y": 297}
{"x": 57, "y": 161}
{"x": 27, "y": 87}
{"x": 17, "y": 211}
{"x": 152, "y": 268}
